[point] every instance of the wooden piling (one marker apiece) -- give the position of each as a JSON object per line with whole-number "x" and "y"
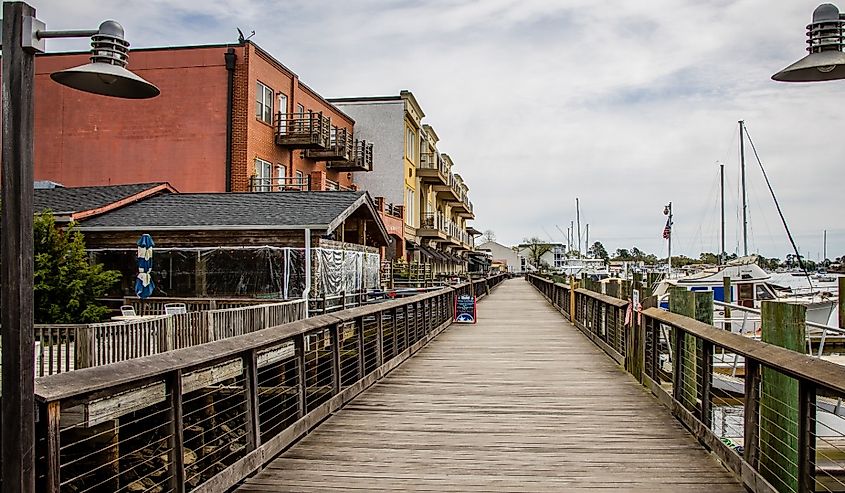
{"x": 784, "y": 326}
{"x": 697, "y": 305}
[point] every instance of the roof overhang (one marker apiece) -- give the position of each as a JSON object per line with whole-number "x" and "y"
{"x": 363, "y": 201}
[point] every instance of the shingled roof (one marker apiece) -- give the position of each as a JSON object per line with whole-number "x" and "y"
{"x": 247, "y": 210}
{"x": 80, "y": 202}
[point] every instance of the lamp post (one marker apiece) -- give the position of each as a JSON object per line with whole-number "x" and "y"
{"x": 24, "y": 36}
{"x": 826, "y": 47}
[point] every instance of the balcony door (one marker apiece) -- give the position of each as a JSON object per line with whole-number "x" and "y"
{"x": 283, "y": 109}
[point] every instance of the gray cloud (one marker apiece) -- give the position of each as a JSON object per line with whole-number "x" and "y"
{"x": 627, "y": 105}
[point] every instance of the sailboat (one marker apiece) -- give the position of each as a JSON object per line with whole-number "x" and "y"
{"x": 750, "y": 284}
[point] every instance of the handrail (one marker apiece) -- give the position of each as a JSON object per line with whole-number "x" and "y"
{"x": 789, "y": 403}
{"x": 205, "y": 417}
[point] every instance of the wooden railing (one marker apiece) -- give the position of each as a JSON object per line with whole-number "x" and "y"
{"x": 155, "y": 305}
{"x": 204, "y": 417}
{"x": 310, "y": 127}
{"x": 63, "y": 348}
{"x": 779, "y": 426}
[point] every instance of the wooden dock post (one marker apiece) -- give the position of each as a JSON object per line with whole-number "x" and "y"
{"x": 697, "y": 305}
{"x": 841, "y": 305}
{"x": 784, "y": 326}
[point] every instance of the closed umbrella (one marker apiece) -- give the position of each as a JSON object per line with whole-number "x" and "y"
{"x": 144, "y": 284}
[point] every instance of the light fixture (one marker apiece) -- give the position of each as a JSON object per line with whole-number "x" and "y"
{"x": 106, "y": 74}
{"x": 826, "y": 41}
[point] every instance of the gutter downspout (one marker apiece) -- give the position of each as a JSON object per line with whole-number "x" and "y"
{"x": 230, "y": 58}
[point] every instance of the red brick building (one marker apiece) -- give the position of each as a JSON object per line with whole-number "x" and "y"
{"x": 229, "y": 118}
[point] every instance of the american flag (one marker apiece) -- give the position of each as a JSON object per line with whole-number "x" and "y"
{"x": 667, "y": 231}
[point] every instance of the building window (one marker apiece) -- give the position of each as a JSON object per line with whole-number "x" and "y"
{"x": 283, "y": 108}
{"x": 263, "y": 175}
{"x": 263, "y": 103}
{"x": 300, "y": 180}
{"x": 409, "y": 206}
{"x": 281, "y": 174}
{"x": 410, "y": 145}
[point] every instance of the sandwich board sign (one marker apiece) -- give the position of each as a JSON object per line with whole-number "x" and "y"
{"x": 465, "y": 309}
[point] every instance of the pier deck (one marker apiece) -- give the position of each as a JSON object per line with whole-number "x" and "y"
{"x": 520, "y": 402}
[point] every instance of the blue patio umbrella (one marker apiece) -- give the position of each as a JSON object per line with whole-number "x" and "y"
{"x": 144, "y": 284}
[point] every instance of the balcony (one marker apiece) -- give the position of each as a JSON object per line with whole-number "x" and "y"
{"x": 433, "y": 169}
{"x": 433, "y": 227}
{"x": 339, "y": 148}
{"x": 464, "y": 208}
{"x": 449, "y": 191}
{"x": 287, "y": 184}
{"x": 303, "y": 130}
{"x": 360, "y": 160}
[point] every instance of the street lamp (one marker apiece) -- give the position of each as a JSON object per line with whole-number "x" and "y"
{"x": 24, "y": 36}
{"x": 826, "y": 43}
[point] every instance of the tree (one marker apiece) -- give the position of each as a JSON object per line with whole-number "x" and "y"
{"x": 488, "y": 236}
{"x": 598, "y": 251}
{"x": 623, "y": 254}
{"x": 637, "y": 254}
{"x": 536, "y": 249}
{"x": 66, "y": 283}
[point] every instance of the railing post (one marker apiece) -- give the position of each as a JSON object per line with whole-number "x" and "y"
{"x": 209, "y": 325}
{"x": 379, "y": 339}
{"x": 751, "y": 452}
{"x": 678, "y": 364}
{"x": 253, "y": 433}
{"x": 299, "y": 349}
{"x": 48, "y": 430}
{"x": 359, "y": 326}
{"x": 334, "y": 331}
{"x": 706, "y": 381}
{"x": 806, "y": 436}
{"x": 84, "y": 347}
{"x": 177, "y": 442}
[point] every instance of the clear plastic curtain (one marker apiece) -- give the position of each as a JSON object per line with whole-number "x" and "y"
{"x": 265, "y": 272}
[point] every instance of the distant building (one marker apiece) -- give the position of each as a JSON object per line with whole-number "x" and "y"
{"x": 410, "y": 172}
{"x": 554, "y": 258}
{"x": 504, "y": 255}
{"x": 230, "y": 117}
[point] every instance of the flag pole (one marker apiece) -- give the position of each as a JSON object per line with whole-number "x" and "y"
{"x": 668, "y": 234}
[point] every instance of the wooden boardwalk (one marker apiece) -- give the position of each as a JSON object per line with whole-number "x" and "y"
{"x": 520, "y": 402}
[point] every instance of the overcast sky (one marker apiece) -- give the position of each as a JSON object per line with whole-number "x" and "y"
{"x": 626, "y": 105}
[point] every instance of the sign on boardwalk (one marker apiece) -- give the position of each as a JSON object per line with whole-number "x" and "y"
{"x": 465, "y": 309}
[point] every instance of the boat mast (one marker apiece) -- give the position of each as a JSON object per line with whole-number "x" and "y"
{"x": 824, "y": 247}
{"x": 744, "y": 202}
{"x": 722, "y": 251}
{"x": 578, "y": 220}
{"x": 587, "y": 241}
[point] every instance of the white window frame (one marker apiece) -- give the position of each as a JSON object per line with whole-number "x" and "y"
{"x": 300, "y": 180}
{"x": 283, "y": 108}
{"x": 263, "y": 174}
{"x": 264, "y": 102}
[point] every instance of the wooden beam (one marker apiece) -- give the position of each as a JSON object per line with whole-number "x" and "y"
{"x": 16, "y": 248}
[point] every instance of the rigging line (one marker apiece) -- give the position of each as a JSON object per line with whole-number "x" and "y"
{"x": 777, "y": 204}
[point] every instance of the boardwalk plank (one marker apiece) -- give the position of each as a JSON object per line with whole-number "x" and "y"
{"x": 520, "y": 402}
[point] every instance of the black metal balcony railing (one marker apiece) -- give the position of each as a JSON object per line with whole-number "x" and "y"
{"x": 286, "y": 184}
{"x": 303, "y": 130}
